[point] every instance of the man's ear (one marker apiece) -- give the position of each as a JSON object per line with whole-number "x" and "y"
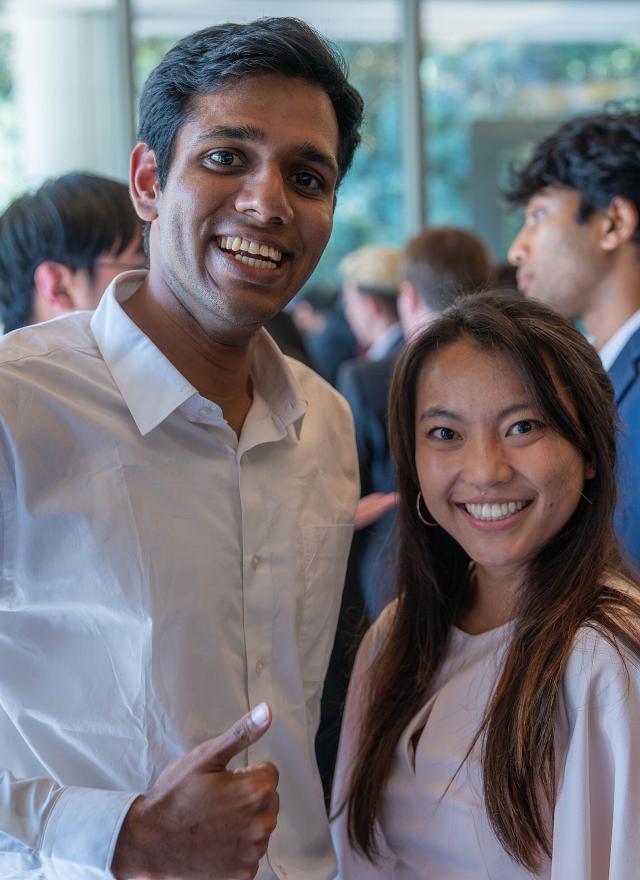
{"x": 143, "y": 182}
{"x": 53, "y": 283}
{"x": 408, "y": 296}
{"x": 620, "y": 223}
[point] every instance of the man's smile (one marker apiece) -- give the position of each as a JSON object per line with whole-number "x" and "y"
{"x": 250, "y": 252}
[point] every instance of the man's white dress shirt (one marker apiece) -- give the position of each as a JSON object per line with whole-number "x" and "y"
{"x": 158, "y": 577}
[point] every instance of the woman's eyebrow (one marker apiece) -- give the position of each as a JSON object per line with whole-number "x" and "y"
{"x": 438, "y": 412}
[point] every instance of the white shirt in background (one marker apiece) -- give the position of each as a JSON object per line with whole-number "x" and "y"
{"x": 430, "y": 829}
{"x": 158, "y": 577}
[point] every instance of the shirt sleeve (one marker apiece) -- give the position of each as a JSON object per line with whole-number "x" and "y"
{"x": 56, "y": 832}
{"x": 66, "y": 833}
{"x": 353, "y": 866}
{"x": 596, "y": 820}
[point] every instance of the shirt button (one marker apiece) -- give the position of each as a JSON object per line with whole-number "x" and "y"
{"x": 205, "y": 410}
{"x": 255, "y": 562}
{"x": 259, "y": 667}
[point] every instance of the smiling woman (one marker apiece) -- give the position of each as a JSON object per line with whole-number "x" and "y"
{"x": 502, "y": 686}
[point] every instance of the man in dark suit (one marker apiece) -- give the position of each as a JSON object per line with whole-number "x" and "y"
{"x": 579, "y": 251}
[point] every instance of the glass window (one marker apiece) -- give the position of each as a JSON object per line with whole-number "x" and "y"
{"x": 497, "y": 76}
{"x": 10, "y": 171}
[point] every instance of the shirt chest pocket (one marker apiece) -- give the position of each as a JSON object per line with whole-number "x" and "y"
{"x": 325, "y": 550}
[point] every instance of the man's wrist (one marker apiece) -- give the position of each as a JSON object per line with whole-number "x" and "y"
{"x": 129, "y": 855}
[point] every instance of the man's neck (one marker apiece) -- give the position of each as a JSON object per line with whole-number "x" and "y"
{"x": 218, "y": 369}
{"x": 617, "y": 299}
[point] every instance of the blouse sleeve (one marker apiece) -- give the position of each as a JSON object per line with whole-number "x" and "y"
{"x": 597, "y": 815}
{"x": 351, "y": 865}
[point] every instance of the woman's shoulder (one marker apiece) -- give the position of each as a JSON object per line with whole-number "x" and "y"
{"x": 379, "y": 630}
{"x": 605, "y": 657}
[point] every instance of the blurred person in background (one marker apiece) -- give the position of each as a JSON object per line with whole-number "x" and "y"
{"x": 579, "y": 252}
{"x": 370, "y": 286}
{"x": 62, "y": 245}
{"x": 329, "y": 339}
{"x": 438, "y": 265}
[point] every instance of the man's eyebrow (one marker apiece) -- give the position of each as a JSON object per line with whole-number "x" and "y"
{"x": 307, "y": 151}
{"x": 232, "y": 132}
{"x": 310, "y": 153}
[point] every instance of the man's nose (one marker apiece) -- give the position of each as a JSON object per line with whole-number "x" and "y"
{"x": 516, "y": 252}
{"x": 264, "y": 196}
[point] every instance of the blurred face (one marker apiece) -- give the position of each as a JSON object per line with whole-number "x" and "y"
{"x": 559, "y": 260}
{"x": 358, "y": 312}
{"x": 88, "y": 289}
{"x": 247, "y": 208}
{"x": 492, "y": 474}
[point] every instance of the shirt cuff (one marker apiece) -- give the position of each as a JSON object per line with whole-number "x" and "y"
{"x": 81, "y": 832}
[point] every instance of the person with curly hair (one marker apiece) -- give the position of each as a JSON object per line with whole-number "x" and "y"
{"x": 579, "y": 252}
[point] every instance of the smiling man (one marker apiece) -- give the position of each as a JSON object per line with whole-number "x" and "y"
{"x": 579, "y": 251}
{"x": 178, "y": 498}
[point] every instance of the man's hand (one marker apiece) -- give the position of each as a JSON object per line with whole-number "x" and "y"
{"x": 201, "y": 820}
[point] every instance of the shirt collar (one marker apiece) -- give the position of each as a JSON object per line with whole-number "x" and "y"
{"x": 153, "y": 388}
{"x": 612, "y": 348}
{"x": 382, "y": 346}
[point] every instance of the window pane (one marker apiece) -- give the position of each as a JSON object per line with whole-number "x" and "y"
{"x": 500, "y": 75}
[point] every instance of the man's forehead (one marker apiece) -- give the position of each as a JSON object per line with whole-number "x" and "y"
{"x": 240, "y": 111}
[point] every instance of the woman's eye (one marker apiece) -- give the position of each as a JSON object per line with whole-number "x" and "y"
{"x": 221, "y": 157}
{"x": 525, "y": 426}
{"x": 443, "y": 433}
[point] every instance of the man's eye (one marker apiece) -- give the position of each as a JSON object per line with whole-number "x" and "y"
{"x": 443, "y": 433}
{"x": 221, "y": 157}
{"x": 307, "y": 180}
{"x": 535, "y": 216}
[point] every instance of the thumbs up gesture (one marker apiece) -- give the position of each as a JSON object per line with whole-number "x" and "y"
{"x": 201, "y": 820}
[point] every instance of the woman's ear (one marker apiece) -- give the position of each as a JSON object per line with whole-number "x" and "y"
{"x": 589, "y": 468}
{"x": 143, "y": 182}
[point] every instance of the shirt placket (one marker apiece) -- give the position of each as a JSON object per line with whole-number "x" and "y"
{"x": 257, "y": 596}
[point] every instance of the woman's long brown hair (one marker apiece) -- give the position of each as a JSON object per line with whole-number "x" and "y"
{"x": 566, "y": 587}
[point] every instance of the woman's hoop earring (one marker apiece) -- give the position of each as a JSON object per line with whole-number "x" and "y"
{"x": 420, "y": 516}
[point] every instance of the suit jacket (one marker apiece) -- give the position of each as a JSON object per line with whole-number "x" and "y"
{"x": 365, "y": 384}
{"x": 625, "y": 375}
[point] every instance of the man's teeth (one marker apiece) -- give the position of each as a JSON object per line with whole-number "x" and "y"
{"x": 242, "y": 248}
{"x": 494, "y": 511}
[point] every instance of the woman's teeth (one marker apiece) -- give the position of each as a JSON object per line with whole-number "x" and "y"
{"x": 494, "y": 511}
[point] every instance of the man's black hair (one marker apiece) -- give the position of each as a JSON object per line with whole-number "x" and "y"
{"x": 207, "y": 60}
{"x": 73, "y": 220}
{"x": 596, "y": 154}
